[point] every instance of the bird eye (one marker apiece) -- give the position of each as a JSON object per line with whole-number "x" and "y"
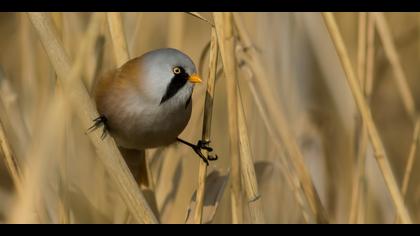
{"x": 176, "y": 70}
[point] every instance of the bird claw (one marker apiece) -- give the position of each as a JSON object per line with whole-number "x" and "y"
{"x": 203, "y": 145}
{"x": 98, "y": 122}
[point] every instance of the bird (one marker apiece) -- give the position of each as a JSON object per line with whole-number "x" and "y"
{"x": 147, "y": 102}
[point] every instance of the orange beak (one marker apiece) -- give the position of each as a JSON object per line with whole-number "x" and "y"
{"x": 195, "y": 79}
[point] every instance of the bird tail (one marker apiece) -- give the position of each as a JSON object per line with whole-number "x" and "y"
{"x": 136, "y": 161}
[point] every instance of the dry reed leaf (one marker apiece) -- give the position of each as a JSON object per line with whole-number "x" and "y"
{"x": 262, "y": 169}
{"x": 215, "y": 186}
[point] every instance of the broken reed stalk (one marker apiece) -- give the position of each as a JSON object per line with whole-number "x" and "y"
{"x": 361, "y": 103}
{"x": 281, "y": 130}
{"x": 208, "y": 110}
{"x": 247, "y": 167}
{"x": 224, "y": 30}
{"x": 118, "y": 38}
{"x": 393, "y": 57}
{"x": 293, "y": 178}
{"x": 410, "y": 162}
{"x": 360, "y": 157}
{"x": 290, "y": 178}
{"x": 81, "y": 102}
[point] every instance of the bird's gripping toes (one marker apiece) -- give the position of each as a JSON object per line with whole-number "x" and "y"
{"x": 201, "y": 145}
{"x": 98, "y": 122}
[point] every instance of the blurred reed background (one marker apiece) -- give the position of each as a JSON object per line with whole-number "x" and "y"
{"x": 315, "y": 158}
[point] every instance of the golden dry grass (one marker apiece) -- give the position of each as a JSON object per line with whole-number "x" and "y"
{"x": 313, "y": 117}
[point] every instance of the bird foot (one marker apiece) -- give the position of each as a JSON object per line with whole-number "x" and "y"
{"x": 201, "y": 145}
{"x": 98, "y": 122}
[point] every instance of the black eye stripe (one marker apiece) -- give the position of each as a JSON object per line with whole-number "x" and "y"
{"x": 177, "y": 82}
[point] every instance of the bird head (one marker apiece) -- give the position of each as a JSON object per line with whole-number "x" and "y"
{"x": 170, "y": 75}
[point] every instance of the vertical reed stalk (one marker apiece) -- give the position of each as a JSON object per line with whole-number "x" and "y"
{"x": 360, "y": 158}
{"x": 225, "y": 38}
{"x": 367, "y": 87}
{"x": 361, "y": 103}
{"x": 364, "y": 142}
{"x": 208, "y": 110}
{"x": 247, "y": 168}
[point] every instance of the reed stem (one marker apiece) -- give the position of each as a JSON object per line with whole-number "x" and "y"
{"x": 361, "y": 103}
{"x": 208, "y": 111}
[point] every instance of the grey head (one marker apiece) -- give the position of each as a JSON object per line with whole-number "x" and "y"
{"x": 166, "y": 74}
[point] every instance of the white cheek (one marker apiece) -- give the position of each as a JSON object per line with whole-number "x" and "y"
{"x": 155, "y": 84}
